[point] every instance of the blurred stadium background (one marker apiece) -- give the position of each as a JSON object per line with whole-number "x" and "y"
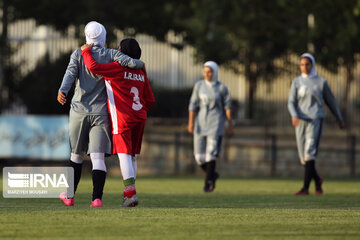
{"x": 257, "y": 44}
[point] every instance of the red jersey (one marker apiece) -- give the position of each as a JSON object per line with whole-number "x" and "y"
{"x": 129, "y": 93}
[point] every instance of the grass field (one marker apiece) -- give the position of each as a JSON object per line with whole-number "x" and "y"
{"x": 176, "y": 208}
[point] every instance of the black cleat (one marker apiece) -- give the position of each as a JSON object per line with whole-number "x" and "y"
{"x": 209, "y": 186}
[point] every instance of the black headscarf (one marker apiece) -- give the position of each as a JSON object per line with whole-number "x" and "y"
{"x": 130, "y": 47}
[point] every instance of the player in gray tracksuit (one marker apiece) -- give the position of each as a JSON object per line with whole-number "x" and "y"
{"x": 89, "y": 120}
{"x": 308, "y": 95}
{"x": 209, "y": 108}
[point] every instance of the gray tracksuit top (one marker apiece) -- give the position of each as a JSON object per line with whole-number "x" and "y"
{"x": 209, "y": 101}
{"x": 90, "y": 92}
{"x": 308, "y": 96}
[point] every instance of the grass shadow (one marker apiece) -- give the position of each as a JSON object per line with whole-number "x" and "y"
{"x": 191, "y": 201}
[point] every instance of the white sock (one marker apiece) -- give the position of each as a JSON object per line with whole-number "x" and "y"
{"x": 126, "y": 166}
{"x": 98, "y": 161}
{"x": 76, "y": 158}
{"x": 134, "y": 164}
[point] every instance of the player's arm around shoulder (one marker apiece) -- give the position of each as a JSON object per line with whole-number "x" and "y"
{"x": 108, "y": 70}
{"x": 125, "y": 60}
{"x": 89, "y": 61}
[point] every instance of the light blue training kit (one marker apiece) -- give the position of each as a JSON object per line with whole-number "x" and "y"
{"x": 308, "y": 96}
{"x": 209, "y": 100}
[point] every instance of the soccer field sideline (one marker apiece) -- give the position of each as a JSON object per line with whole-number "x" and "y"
{"x": 176, "y": 208}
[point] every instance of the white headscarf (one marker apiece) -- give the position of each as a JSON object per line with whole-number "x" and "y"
{"x": 214, "y": 67}
{"x": 95, "y": 33}
{"x": 313, "y": 72}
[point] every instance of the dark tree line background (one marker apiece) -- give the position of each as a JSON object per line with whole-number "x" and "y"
{"x": 249, "y": 32}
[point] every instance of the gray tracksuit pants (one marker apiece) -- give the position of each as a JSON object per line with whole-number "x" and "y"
{"x": 308, "y": 134}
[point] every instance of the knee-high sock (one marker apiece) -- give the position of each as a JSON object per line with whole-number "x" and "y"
{"x": 203, "y": 167}
{"x": 314, "y": 172}
{"x": 98, "y": 174}
{"x": 98, "y": 161}
{"x": 98, "y": 178}
{"x": 210, "y": 171}
{"x": 126, "y": 166}
{"x": 128, "y": 173}
{"x": 308, "y": 174}
{"x": 76, "y": 162}
{"x": 134, "y": 164}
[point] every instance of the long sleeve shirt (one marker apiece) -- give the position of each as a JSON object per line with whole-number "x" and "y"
{"x": 129, "y": 93}
{"x": 90, "y": 94}
{"x": 210, "y": 100}
{"x": 308, "y": 96}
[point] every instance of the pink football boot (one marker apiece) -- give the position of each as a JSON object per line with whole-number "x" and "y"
{"x": 67, "y": 201}
{"x": 96, "y": 203}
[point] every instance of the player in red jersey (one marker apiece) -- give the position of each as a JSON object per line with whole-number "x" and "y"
{"x": 129, "y": 99}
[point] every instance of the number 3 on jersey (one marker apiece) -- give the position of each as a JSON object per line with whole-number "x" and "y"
{"x": 136, "y": 104}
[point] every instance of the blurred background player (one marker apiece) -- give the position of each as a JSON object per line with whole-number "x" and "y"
{"x": 308, "y": 94}
{"x": 130, "y": 98}
{"x": 210, "y": 106}
{"x": 89, "y": 122}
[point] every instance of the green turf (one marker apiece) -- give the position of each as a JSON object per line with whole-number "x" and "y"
{"x": 176, "y": 208}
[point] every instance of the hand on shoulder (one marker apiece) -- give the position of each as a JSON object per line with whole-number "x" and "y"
{"x": 85, "y": 46}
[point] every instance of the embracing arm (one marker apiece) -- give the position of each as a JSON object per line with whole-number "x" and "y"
{"x": 103, "y": 69}
{"x": 125, "y": 60}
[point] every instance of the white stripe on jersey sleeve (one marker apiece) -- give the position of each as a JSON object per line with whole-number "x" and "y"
{"x": 112, "y": 107}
